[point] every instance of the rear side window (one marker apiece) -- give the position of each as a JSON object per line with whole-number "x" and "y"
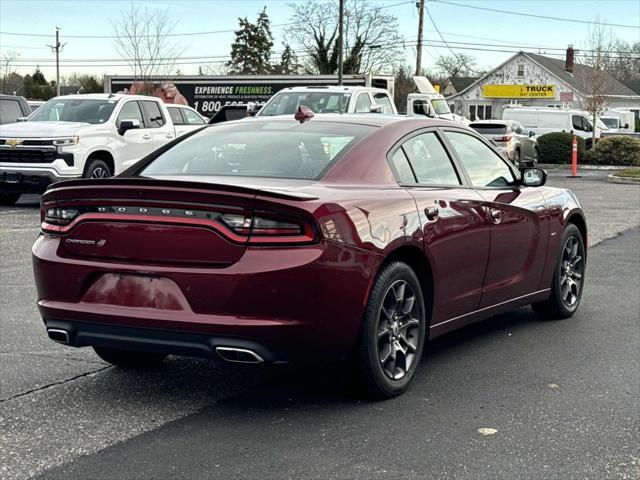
{"x": 176, "y": 116}
{"x": 130, "y": 111}
{"x": 9, "y": 111}
{"x": 154, "y": 114}
{"x": 363, "y": 103}
{"x": 429, "y": 160}
{"x": 383, "y": 100}
{"x": 192, "y": 117}
{"x": 401, "y": 168}
{"x": 260, "y": 149}
{"x": 485, "y": 167}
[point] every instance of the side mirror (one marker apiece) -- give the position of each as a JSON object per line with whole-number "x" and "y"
{"x": 128, "y": 125}
{"x": 375, "y": 108}
{"x": 588, "y": 128}
{"x": 534, "y": 177}
{"x": 626, "y": 125}
{"x": 531, "y": 133}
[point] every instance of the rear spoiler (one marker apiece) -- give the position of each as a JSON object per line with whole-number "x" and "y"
{"x": 147, "y": 183}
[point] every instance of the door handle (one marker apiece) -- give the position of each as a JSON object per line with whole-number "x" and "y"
{"x": 496, "y": 215}
{"x": 146, "y": 136}
{"x": 169, "y": 135}
{"x": 431, "y": 212}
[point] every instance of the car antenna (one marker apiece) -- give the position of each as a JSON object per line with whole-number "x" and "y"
{"x": 303, "y": 114}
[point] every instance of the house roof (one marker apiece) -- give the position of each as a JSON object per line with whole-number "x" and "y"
{"x": 633, "y": 85}
{"x": 460, "y": 83}
{"x": 556, "y": 67}
{"x": 580, "y": 75}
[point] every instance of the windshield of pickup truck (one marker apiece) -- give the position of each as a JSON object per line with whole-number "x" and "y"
{"x": 440, "y": 106}
{"x": 287, "y": 103}
{"x": 74, "y": 110}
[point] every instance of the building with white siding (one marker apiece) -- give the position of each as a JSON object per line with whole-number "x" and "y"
{"x": 528, "y": 79}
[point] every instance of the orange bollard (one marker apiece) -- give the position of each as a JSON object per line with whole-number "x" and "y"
{"x": 574, "y": 158}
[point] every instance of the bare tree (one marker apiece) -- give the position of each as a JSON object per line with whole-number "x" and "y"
{"x": 454, "y": 66}
{"x": 142, "y": 38}
{"x": 7, "y": 67}
{"x": 595, "y": 80}
{"x": 372, "y": 43}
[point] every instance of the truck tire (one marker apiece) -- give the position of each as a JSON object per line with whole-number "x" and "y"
{"x": 7, "y": 198}
{"x": 97, "y": 169}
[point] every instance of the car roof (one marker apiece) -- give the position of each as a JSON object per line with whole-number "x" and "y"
{"x": 498, "y": 122}
{"x": 371, "y": 119}
{"x": 105, "y": 96}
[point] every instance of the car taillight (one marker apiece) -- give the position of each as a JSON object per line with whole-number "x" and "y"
{"x": 59, "y": 216}
{"x": 504, "y": 139}
{"x": 266, "y": 230}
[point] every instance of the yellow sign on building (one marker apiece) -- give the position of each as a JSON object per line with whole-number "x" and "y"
{"x": 519, "y": 91}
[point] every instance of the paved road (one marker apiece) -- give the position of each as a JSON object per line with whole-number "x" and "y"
{"x": 563, "y": 396}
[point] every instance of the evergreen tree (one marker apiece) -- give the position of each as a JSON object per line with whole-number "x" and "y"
{"x": 36, "y": 86}
{"x": 288, "y": 62}
{"x": 251, "y": 50}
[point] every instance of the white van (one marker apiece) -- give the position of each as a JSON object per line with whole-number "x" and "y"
{"x": 543, "y": 120}
{"x": 620, "y": 120}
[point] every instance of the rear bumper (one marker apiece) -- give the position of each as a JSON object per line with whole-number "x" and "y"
{"x": 304, "y": 303}
{"x": 84, "y": 334}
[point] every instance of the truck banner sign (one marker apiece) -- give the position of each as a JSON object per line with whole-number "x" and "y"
{"x": 208, "y": 94}
{"x": 519, "y": 91}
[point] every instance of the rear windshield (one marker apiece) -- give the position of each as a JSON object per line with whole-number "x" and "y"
{"x": 489, "y": 128}
{"x": 318, "y": 102}
{"x": 260, "y": 149}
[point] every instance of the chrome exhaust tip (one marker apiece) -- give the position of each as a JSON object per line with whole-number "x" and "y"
{"x": 57, "y": 335}
{"x": 238, "y": 355}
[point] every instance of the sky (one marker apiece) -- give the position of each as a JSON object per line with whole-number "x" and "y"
{"x": 455, "y": 19}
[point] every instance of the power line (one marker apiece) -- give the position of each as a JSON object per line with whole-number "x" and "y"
{"x": 532, "y": 15}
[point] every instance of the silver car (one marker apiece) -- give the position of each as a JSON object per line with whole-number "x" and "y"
{"x": 512, "y": 139}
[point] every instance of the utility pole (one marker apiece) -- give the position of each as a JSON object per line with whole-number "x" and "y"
{"x": 420, "y": 5}
{"x": 57, "y": 47}
{"x": 340, "y": 41}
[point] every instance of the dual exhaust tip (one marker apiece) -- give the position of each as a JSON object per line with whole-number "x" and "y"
{"x": 229, "y": 354}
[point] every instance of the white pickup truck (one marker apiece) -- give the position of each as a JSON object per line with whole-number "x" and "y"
{"x": 91, "y": 136}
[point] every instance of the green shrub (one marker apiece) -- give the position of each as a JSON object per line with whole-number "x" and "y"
{"x": 556, "y": 148}
{"x": 617, "y": 150}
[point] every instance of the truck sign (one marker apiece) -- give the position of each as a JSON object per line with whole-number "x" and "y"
{"x": 207, "y": 94}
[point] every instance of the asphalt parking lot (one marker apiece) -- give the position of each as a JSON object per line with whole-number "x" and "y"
{"x": 560, "y": 400}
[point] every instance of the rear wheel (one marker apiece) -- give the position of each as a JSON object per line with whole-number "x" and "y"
{"x": 97, "y": 169}
{"x": 516, "y": 157}
{"x": 7, "y": 198}
{"x": 568, "y": 281}
{"x": 129, "y": 359}
{"x": 392, "y": 334}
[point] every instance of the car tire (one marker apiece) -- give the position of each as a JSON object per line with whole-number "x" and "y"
{"x": 516, "y": 157}
{"x": 568, "y": 279}
{"x": 97, "y": 169}
{"x": 7, "y": 198}
{"x": 392, "y": 335}
{"x": 128, "y": 358}
{"x": 534, "y": 160}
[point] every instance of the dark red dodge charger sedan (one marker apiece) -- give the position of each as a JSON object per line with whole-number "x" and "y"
{"x": 338, "y": 237}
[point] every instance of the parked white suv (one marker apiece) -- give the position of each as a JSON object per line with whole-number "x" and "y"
{"x": 329, "y": 99}
{"x": 91, "y": 136}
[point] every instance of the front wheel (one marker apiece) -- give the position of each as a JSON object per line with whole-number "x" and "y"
{"x": 392, "y": 334}
{"x": 129, "y": 359}
{"x": 568, "y": 280}
{"x": 97, "y": 169}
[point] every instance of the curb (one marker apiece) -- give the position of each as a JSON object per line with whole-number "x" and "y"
{"x": 567, "y": 166}
{"x": 613, "y": 178}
